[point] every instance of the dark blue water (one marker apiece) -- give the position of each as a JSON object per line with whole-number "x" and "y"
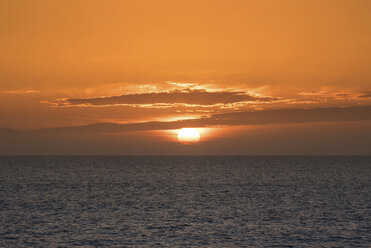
{"x": 185, "y": 201}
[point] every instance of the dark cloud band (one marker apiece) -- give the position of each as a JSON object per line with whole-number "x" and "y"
{"x": 232, "y": 119}
{"x": 197, "y": 97}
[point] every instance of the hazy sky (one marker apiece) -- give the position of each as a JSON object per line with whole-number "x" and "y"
{"x": 235, "y": 67}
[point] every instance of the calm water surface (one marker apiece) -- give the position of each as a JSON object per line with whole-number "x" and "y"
{"x": 185, "y": 201}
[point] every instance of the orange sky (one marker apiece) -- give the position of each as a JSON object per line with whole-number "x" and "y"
{"x": 74, "y": 63}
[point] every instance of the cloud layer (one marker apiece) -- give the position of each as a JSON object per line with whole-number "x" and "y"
{"x": 231, "y": 119}
{"x": 189, "y": 97}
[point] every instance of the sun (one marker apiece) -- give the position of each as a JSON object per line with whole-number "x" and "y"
{"x": 188, "y": 135}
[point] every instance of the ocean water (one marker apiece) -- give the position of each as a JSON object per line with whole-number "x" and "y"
{"x": 190, "y": 201}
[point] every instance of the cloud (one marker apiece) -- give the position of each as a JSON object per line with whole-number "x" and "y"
{"x": 367, "y": 95}
{"x": 182, "y": 84}
{"x": 18, "y": 91}
{"x": 337, "y": 94}
{"x": 231, "y": 119}
{"x": 188, "y": 97}
{"x": 293, "y": 116}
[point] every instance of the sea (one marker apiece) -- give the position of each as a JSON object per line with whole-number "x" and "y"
{"x": 185, "y": 201}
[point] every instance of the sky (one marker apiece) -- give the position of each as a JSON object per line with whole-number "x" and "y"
{"x": 123, "y": 77}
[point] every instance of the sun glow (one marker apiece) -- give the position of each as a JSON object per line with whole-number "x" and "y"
{"x": 188, "y": 135}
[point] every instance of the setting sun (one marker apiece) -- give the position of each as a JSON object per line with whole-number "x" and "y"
{"x": 188, "y": 135}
